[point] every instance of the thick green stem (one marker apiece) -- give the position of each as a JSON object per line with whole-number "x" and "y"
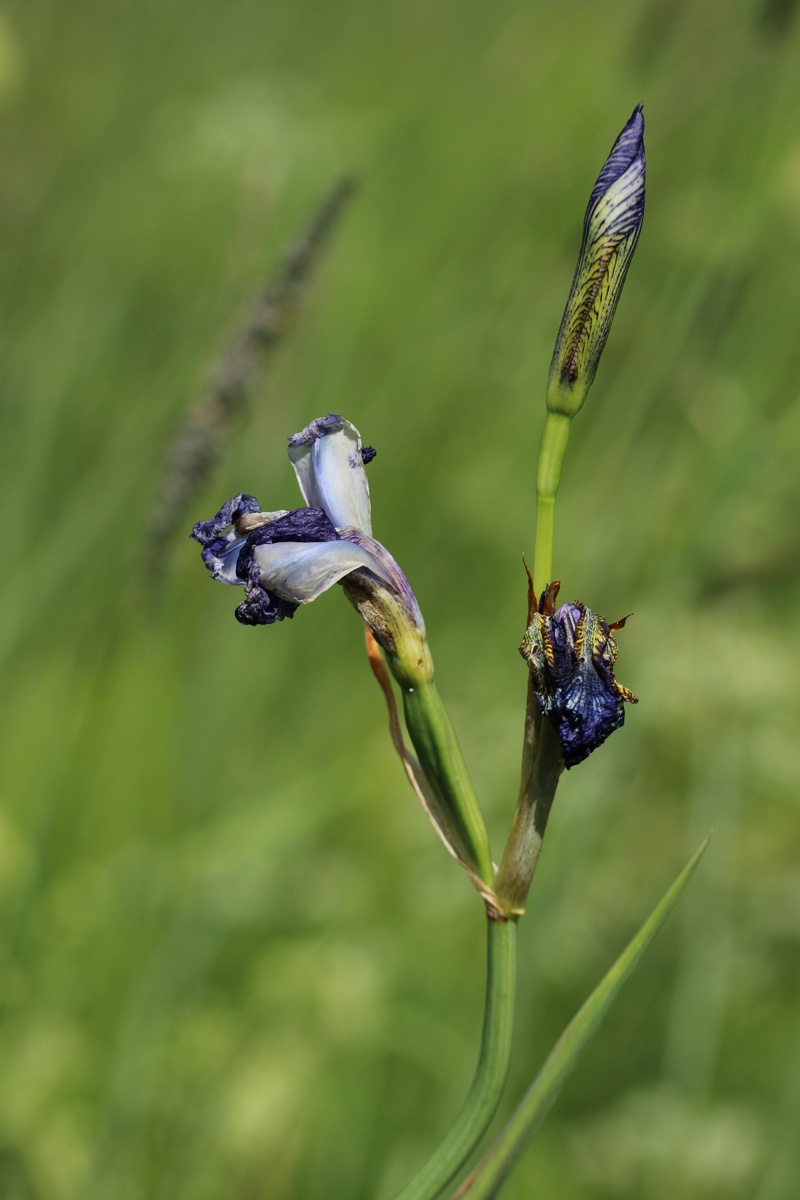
{"x": 439, "y": 753}
{"x": 543, "y": 553}
{"x": 490, "y": 1076}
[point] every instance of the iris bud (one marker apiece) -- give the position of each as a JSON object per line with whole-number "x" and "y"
{"x": 611, "y": 230}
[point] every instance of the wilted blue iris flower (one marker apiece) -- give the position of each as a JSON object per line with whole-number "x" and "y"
{"x": 284, "y": 559}
{"x": 571, "y": 654}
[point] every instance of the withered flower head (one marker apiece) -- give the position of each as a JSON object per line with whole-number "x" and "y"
{"x": 571, "y": 654}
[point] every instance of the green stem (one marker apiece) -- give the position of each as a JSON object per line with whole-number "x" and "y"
{"x": 552, "y": 449}
{"x": 487, "y": 1178}
{"x": 439, "y": 753}
{"x": 490, "y": 1076}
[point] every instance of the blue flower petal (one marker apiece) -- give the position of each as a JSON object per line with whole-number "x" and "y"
{"x": 221, "y": 550}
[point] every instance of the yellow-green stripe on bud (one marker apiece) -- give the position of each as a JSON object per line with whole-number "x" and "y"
{"x": 611, "y": 230}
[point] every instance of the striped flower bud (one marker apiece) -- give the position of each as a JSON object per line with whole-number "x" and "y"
{"x": 611, "y": 230}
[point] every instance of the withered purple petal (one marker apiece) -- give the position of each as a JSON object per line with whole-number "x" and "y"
{"x": 585, "y": 710}
{"x": 261, "y": 607}
{"x": 586, "y": 705}
{"x": 563, "y": 624}
{"x": 207, "y": 532}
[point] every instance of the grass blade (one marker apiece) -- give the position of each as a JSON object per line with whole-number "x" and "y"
{"x": 488, "y": 1176}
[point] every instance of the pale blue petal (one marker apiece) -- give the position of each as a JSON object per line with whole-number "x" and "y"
{"x": 301, "y": 571}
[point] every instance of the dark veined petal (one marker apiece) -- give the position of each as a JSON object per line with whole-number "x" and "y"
{"x": 263, "y": 603}
{"x": 302, "y": 525}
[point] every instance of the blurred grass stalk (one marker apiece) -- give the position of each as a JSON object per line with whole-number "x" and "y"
{"x": 201, "y": 439}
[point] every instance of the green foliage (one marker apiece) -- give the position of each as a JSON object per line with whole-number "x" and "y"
{"x": 233, "y": 960}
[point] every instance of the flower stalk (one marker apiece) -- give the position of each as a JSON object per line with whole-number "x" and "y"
{"x": 552, "y": 449}
{"x": 490, "y": 1076}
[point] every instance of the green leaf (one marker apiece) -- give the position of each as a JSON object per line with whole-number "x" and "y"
{"x": 487, "y": 1178}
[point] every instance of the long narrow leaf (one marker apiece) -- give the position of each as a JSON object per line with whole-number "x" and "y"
{"x": 487, "y": 1178}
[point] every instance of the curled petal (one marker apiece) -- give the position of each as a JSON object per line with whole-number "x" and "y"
{"x": 328, "y": 459}
{"x": 222, "y": 557}
{"x": 302, "y": 525}
{"x": 205, "y": 532}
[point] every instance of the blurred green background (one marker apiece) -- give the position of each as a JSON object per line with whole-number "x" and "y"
{"x": 234, "y": 962}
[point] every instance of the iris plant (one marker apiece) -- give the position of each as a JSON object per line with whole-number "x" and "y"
{"x": 285, "y": 559}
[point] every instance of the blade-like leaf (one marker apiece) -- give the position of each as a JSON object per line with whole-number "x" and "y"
{"x": 487, "y": 1178}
